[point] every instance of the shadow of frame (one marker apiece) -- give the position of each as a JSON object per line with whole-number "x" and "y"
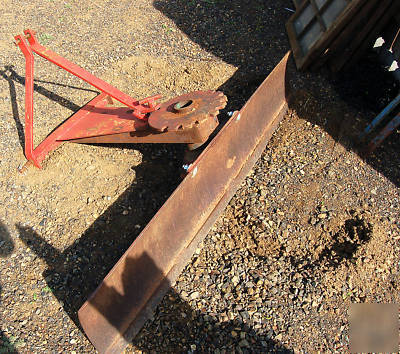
{"x": 12, "y": 77}
{"x": 7, "y": 344}
{"x": 198, "y": 332}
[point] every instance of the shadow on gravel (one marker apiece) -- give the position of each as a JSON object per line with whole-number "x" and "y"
{"x": 6, "y": 249}
{"x": 179, "y": 327}
{"x": 11, "y": 76}
{"x": 75, "y": 273}
{"x": 357, "y": 87}
{"x": 341, "y": 247}
{"x": 251, "y": 35}
{"x": 247, "y": 34}
{"x": 354, "y": 233}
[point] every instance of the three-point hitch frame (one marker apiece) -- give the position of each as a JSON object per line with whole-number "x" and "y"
{"x": 189, "y": 118}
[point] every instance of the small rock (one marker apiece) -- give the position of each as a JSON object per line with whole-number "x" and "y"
{"x": 244, "y": 343}
{"x": 194, "y": 295}
{"x": 263, "y": 193}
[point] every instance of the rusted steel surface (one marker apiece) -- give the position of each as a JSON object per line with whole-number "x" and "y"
{"x": 189, "y": 118}
{"x": 128, "y": 294}
{"x": 197, "y": 134}
{"x": 187, "y": 111}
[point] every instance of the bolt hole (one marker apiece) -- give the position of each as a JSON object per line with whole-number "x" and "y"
{"x": 180, "y": 127}
{"x": 183, "y": 104}
{"x": 197, "y": 122}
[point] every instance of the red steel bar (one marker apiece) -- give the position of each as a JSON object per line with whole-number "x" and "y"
{"x": 140, "y": 108}
{"x": 95, "y": 118}
{"x": 29, "y": 61}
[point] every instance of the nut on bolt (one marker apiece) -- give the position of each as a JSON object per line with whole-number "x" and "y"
{"x": 186, "y": 167}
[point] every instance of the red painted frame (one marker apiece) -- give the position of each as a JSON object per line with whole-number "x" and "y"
{"x": 94, "y": 119}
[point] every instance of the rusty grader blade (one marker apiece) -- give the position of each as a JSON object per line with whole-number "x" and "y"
{"x": 126, "y": 298}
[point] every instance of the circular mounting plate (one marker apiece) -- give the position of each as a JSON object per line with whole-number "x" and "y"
{"x": 186, "y": 111}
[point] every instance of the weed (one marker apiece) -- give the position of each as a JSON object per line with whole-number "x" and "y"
{"x": 45, "y": 38}
{"x": 168, "y": 29}
{"x": 9, "y": 345}
{"x": 46, "y": 290}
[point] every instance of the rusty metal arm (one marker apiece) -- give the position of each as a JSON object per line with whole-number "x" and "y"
{"x": 125, "y": 299}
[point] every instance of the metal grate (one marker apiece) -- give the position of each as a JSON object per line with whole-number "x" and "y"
{"x": 315, "y": 24}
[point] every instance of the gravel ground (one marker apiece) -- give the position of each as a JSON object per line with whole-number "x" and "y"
{"x": 313, "y": 228}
